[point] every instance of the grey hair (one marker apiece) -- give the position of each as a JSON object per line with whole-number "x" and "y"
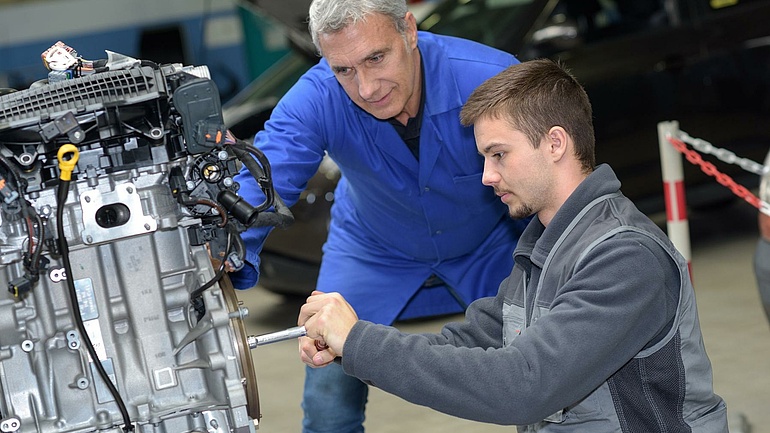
{"x": 330, "y": 16}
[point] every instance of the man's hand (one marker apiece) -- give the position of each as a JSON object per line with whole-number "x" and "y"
{"x": 328, "y": 318}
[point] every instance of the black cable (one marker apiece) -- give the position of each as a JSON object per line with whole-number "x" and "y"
{"x": 210, "y": 203}
{"x": 32, "y": 262}
{"x": 33, "y": 265}
{"x": 18, "y": 181}
{"x": 262, "y": 172}
{"x": 61, "y": 199}
{"x": 259, "y": 167}
{"x": 30, "y": 233}
{"x": 220, "y": 273}
{"x": 40, "y": 238}
{"x": 240, "y": 247}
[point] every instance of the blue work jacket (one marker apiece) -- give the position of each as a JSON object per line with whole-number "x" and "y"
{"x": 395, "y": 221}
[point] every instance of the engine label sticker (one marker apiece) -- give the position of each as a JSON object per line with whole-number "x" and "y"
{"x": 86, "y": 299}
{"x": 90, "y": 313}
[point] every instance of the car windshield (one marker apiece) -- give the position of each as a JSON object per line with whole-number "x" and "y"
{"x": 487, "y": 21}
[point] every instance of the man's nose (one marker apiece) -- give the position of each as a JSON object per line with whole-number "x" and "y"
{"x": 489, "y": 177}
{"x": 367, "y": 85}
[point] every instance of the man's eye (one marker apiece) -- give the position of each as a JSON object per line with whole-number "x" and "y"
{"x": 343, "y": 72}
{"x": 376, "y": 59}
{"x": 497, "y": 155}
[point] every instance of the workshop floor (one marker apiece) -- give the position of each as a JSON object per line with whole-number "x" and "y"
{"x": 735, "y": 331}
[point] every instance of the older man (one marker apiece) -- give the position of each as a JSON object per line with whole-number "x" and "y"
{"x": 384, "y": 104}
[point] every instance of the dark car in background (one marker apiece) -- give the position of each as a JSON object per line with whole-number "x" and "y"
{"x": 703, "y": 63}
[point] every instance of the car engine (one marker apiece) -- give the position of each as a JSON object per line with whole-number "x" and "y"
{"x": 119, "y": 219}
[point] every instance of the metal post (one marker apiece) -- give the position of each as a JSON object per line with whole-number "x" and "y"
{"x": 673, "y": 190}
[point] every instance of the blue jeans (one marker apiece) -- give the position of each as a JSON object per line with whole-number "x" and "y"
{"x": 333, "y": 402}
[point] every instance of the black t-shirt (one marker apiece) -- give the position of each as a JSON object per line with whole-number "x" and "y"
{"x": 411, "y": 132}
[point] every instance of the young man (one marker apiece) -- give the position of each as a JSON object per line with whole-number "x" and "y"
{"x": 596, "y": 328}
{"x": 384, "y": 103}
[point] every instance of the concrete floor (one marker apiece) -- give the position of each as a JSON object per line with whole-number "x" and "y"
{"x": 735, "y": 330}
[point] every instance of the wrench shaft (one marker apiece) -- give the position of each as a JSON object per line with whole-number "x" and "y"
{"x": 274, "y": 337}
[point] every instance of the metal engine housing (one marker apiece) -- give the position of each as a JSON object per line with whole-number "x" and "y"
{"x": 138, "y": 251}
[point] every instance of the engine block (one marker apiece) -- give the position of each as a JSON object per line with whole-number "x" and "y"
{"x": 119, "y": 315}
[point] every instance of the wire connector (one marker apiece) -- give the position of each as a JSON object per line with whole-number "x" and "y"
{"x": 9, "y": 195}
{"x": 19, "y": 287}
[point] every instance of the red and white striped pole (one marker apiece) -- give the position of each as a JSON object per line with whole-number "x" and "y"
{"x": 673, "y": 190}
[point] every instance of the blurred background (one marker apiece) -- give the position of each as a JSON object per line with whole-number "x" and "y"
{"x": 703, "y": 63}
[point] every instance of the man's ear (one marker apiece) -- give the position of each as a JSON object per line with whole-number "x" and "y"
{"x": 558, "y": 142}
{"x": 411, "y": 29}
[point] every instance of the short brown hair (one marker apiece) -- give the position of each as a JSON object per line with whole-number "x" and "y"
{"x": 535, "y": 96}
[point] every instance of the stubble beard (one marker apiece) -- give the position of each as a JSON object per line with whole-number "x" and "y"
{"x": 520, "y": 212}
